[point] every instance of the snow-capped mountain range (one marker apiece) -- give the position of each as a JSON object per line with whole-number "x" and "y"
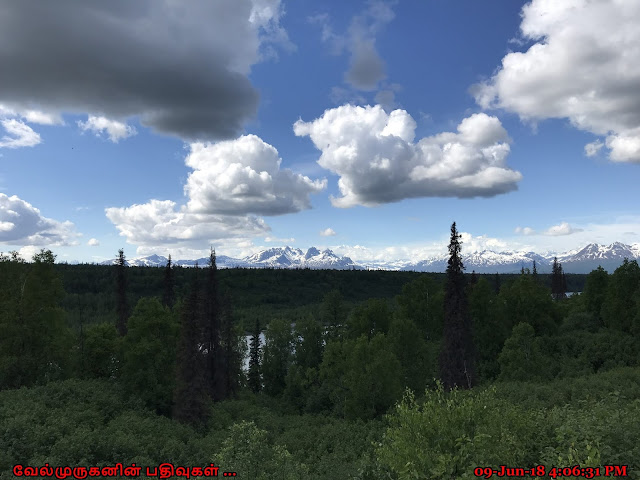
{"x": 277, "y": 257}
{"x": 581, "y": 260}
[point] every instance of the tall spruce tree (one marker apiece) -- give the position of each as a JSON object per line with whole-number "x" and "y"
{"x": 215, "y": 375}
{"x": 122, "y": 308}
{"x": 168, "y": 293}
{"x": 456, "y": 356}
{"x": 190, "y": 394}
{"x": 231, "y": 361}
{"x": 535, "y": 270}
{"x": 254, "y": 378}
{"x": 558, "y": 284}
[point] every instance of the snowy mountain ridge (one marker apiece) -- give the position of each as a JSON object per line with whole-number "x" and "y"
{"x": 581, "y": 260}
{"x": 276, "y": 257}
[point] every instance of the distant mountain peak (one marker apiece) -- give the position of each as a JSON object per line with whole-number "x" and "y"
{"x": 582, "y": 260}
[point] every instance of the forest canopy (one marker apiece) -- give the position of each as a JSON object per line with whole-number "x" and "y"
{"x": 298, "y": 373}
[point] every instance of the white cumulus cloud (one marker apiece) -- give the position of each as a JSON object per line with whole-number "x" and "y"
{"x": 31, "y": 115}
{"x": 377, "y": 160}
{"x": 525, "y": 231}
{"x": 562, "y": 229}
{"x": 115, "y": 130}
{"x": 583, "y": 66}
{"x": 94, "y": 242}
{"x": 19, "y": 134}
{"x": 242, "y": 176}
{"x": 160, "y": 223}
{"x": 232, "y": 182}
{"x": 327, "y": 232}
{"x": 23, "y": 224}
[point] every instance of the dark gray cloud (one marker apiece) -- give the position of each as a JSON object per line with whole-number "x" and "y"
{"x": 180, "y": 67}
{"x": 366, "y": 67}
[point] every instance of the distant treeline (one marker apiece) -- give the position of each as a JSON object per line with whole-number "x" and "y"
{"x": 291, "y": 293}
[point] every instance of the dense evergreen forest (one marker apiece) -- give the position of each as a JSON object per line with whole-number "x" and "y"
{"x": 361, "y": 374}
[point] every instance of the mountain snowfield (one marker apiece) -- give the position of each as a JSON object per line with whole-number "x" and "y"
{"x": 581, "y": 260}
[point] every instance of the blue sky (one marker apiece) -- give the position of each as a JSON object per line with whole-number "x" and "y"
{"x": 365, "y": 127}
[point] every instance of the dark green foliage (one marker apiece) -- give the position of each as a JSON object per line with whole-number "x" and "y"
{"x": 233, "y": 346}
{"x": 34, "y": 341}
{"x": 447, "y": 435}
{"x": 580, "y": 321}
{"x": 267, "y": 293}
{"x": 122, "y": 306}
{"x": 214, "y": 356}
{"x": 457, "y": 367}
{"x": 168, "y": 285}
{"x": 586, "y": 422}
{"x": 373, "y": 376}
{"x": 333, "y": 313}
{"x": 369, "y": 319}
{"x": 324, "y": 444}
{"x": 595, "y": 291}
{"x": 248, "y": 451}
{"x": 101, "y": 350}
{"x": 522, "y": 356}
{"x": 489, "y": 328}
{"x": 149, "y": 355}
{"x": 580, "y": 352}
{"x": 409, "y": 347}
{"x": 422, "y": 301}
{"x": 300, "y": 384}
{"x": 527, "y": 301}
{"x": 276, "y": 356}
{"x": 577, "y": 402}
{"x": 362, "y": 377}
{"x": 90, "y": 422}
{"x": 254, "y": 378}
{"x": 190, "y": 394}
{"x": 558, "y": 281}
{"x": 309, "y": 345}
{"x": 619, "y": 309}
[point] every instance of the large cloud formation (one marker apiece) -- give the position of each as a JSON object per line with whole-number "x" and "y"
{"x": 232, "y": 182}
{"x": 584, "y": 66}
{"x": 180, "y": 67}
{"x": 243, "y": 176}
{"x": 23, "y": 224}
{"x": 159, "y": 222}
{"x": 378, "y": 162}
